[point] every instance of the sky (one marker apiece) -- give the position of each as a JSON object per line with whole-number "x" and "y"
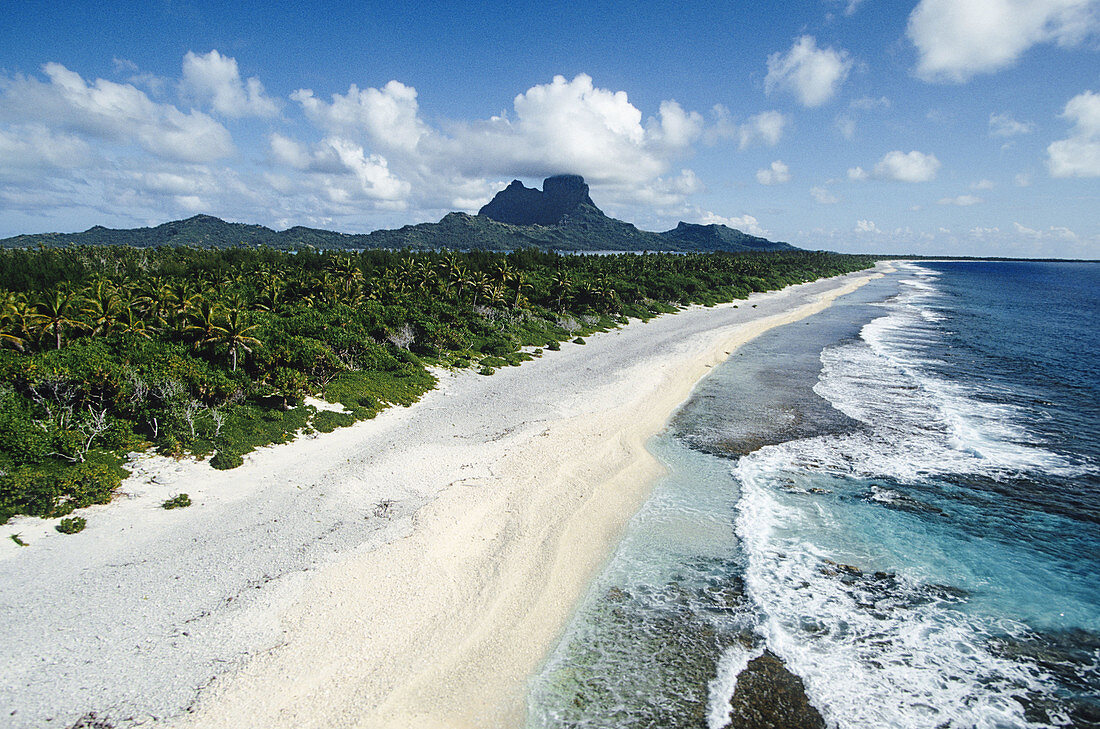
{"x": 938, "y": 127}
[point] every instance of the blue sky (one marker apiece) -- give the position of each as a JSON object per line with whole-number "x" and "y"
{"x": 937, "y": 127}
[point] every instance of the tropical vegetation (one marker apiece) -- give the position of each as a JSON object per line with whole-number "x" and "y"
{"x": 213, "y": 352}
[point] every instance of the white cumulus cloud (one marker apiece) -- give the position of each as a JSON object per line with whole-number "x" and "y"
{"x": 388, "y": 116}
{"x": 572, "y": 126}
{"x": 564, "y": 126}
{"x": 823, "y": 196}
{"x": 866, "y": 226}
{"x": 957, "y": 39}
{"x": 776, "y": 174}
{"x": 1079, "y": 155}
{"x": 812, "y": 74}
{"x": 674, "y": 127}
{"x": 904, "y": 167}
{"x": 214, "y": 79}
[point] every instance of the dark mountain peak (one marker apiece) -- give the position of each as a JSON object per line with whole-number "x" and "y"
{"x": 565, "y": 185}
{"x": 560, "y": 196}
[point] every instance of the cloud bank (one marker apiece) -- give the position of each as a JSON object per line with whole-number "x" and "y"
{"x": 115, "y": 113}
{"x": 151, "y": 148}
{"x": 958, "y": 39}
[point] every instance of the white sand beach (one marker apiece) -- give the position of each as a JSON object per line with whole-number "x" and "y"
{"x": 409, "y": 571}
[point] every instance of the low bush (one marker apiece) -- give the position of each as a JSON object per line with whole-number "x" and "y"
{"x": 225, "y": 459}
{"x": 178, "y": 501}
{"x": 53, "y": 490}
{"x": 327, "y": 421}
{"x": 578, "y": 340}
{"x": 71, "y": 525}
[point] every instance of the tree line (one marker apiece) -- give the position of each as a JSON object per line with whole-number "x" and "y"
{"x": 107, "y": 350}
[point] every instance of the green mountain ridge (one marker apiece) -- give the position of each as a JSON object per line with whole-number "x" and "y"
{"x": 567, "y": 220}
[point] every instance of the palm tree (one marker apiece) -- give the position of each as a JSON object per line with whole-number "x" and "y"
{"x": 57, "y": 310}
{"x": 346, "y": 270}
{"x": 104, "y": 307}
{"x": 156, "y": 296}
{"x": 182, "y": 295}
{"x": 495, "y": 295}
{"x": 233, "y": 330}
{"x": 504, "y": 271}
{"x": 561, "y": 284}
{"x": 12, "y": 306}
{"x": 203, "y": 322}
{"x": 456, "y": 274}
{"x": 131, "y": 322}
{"x": 481, "y": 285}
{"x": 272, "y": 297}
{"x": 519, "y": 280}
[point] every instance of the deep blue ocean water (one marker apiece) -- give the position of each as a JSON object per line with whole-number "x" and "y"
{"x": 898, "y": 497}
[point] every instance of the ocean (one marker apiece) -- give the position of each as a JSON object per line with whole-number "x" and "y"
{"x": 885, "y": 515}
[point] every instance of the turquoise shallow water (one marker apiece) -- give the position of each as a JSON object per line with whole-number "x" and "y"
{"x": 899, "y": 497}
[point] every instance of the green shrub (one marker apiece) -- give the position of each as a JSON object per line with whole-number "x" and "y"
{"x": 178, "y": 501}
{"x": 72, "y": 525}
{"x": 578, "y": 340}
{"x": 55, "y": 490}
{"x": 90, "y": 483}
{"x": 327, "y": 421}
{"x": 225, "y": 459}
{"x": 29, "y": 491}
{"x": 494, "y": 362}
{"x": 553, "y": 346}
{"x": 498, "y": 346}
{"x": 486, "y": 370}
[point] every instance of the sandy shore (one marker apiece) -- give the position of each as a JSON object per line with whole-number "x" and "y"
{"x": 412, "y": 570}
